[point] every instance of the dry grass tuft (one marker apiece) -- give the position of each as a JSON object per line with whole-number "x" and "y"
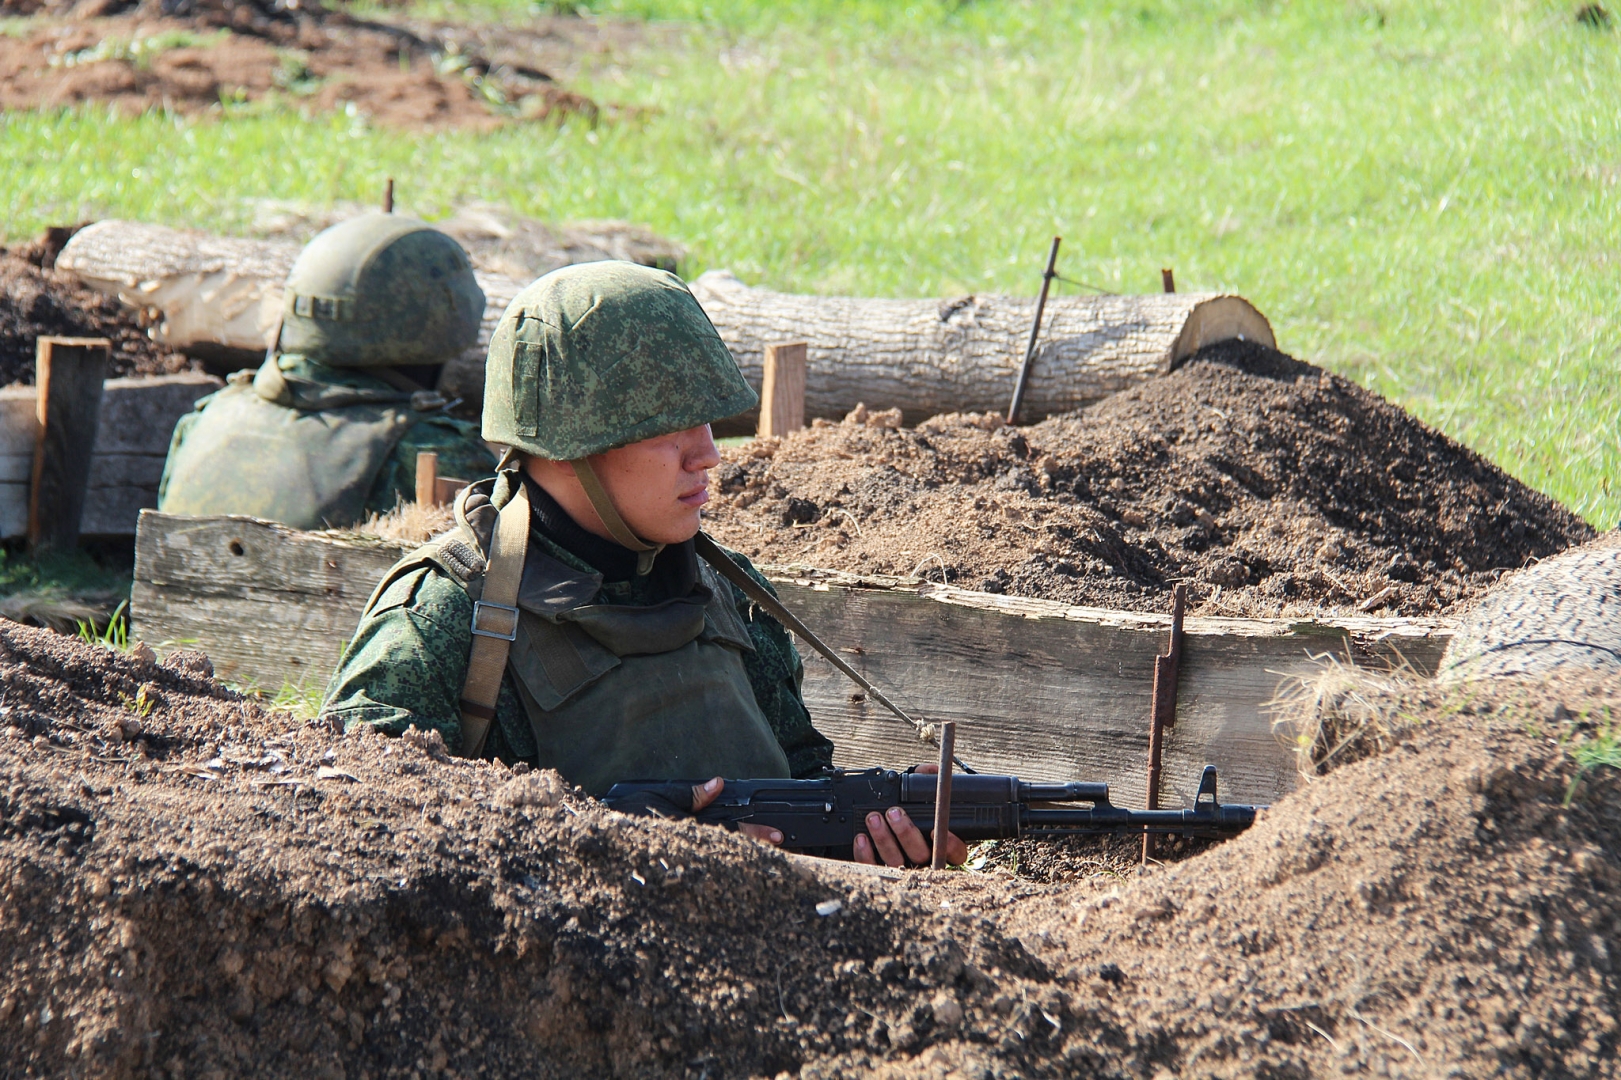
{"x": 411, "y": 522}
{"x": 58, "y": 611}
{"x": 1340, "y": 714}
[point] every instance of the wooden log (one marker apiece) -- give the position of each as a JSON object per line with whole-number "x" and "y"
{"x": 219, "y": 291}
{"x": 963, "y": 355}
{"x": 1038, "y": 689}
{"x": 782, "y": 390}
{"x": 126, "y": 464}
{"x": 68, "y": 373}
{"x": 925, "y": 356}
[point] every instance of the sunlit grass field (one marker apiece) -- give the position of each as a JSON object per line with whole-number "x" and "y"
{"x": 1423, "y": 197}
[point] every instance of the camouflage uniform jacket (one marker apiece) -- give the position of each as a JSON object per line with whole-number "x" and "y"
{"x": 408, "y": 660}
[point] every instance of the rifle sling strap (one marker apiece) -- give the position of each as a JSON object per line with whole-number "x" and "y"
{"x": 711, "y": 553}
{"x": 495, "y": 622}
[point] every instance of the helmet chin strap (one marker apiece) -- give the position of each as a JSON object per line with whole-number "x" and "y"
{"x": 603, "y": 505}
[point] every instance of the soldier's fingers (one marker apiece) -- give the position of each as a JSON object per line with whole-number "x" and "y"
{"x": 863, "y": 850}
{"x": 956, "y": 850}
{"x": 884, "y": 841}
{"x": 705, "y": 793}
{"x": 912, "y": 841}
{"x": 764, "y": 832}
{"x": 927, "y": 770}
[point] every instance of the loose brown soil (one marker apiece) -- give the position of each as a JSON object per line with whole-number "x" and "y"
{"x": 190, "y": 886}
{"x": 36, "y": 299}
{"x": 191, "y": 56}
{"x": 1273, "y": 487}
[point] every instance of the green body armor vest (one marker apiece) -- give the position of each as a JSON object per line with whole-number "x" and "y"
{"x": 623, "y": 692}
{"x": 288, "y": 450}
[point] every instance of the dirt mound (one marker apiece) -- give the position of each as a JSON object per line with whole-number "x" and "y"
{"x": 194, "y": 887}
{"x": 1274, "y": 487}
{"x": 36, "y": 299}
{"x": 192, "y": 55}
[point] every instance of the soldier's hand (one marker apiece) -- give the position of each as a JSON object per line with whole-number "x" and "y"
{"x": 893, "y": 838}
{"x": 706, "y": 793}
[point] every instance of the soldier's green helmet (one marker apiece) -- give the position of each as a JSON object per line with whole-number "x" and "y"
{"x": 381, "y": 289}
{"x": 602, "y": 354}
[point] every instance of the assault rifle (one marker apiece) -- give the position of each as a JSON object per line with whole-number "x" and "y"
{"x": 823, "y": 815}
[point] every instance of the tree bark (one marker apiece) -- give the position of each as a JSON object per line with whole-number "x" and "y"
{"x": 963, "y": 355}
{"x": 923, "y": 356}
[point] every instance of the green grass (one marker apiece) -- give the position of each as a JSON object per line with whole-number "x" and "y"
{"x": 1421, "y": 196}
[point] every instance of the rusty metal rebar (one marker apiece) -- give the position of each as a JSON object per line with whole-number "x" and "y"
{"x": 388, "y": 196}
{"x": 1167, "y": 279}
{"x": 942, "y": 794}
{"x": 1035, "y": 332}
{"x": 1162, "y": 712}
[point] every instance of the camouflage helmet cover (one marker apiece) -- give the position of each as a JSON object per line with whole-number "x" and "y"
{"x": 602, "y": 354}
{"x": 381, "y": 289}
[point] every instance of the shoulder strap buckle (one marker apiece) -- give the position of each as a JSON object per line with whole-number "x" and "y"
{"x": 503, "y": 626}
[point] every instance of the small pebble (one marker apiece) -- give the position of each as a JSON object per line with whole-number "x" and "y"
{"x": 829, "y": 907}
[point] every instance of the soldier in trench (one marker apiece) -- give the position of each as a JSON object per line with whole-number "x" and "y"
{"x": 327, "y": 430}
{"x": 621, "y": 654}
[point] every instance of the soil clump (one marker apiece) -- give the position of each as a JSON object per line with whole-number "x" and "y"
{"x": 193, "y": 55}
{"x": 1271, "y": 486}
{"x": 190, "y": 885}
{"x": 36, "y": 299}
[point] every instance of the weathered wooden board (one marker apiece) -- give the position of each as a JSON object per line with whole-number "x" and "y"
{"x": 132, "y": 439}
{"x": 1039, "y": 689}
{"x": 1052, "y": 692}
{"x": 268, "y": 604}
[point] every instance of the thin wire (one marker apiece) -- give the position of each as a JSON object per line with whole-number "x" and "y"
{"x": 1070, "y": 281}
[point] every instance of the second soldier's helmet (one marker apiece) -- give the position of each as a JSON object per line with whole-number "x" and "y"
{"x": 601, "y": 354}
{"x": 381, "y": 289}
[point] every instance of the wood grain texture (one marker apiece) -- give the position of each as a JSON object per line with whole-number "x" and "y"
{"x": 963, "y": 355}
{"x": 1052, "y": 692}
{"x": 68, "y": 374}
{"x": 227, "y": 291}
{"x": 924, "y": 356}
{"x": 270, "y": 605}
{"x": 782, "y": 390}
{"x": 132, "y": 441}
{"x": 1039, "y": 689}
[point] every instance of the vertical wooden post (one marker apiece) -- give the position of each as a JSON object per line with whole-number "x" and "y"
{"x": 68, "y": 373}
{"x": 1167, "y": 279}
{"x": 782, "y": 394}
{"x": 427, "y": 478}
{"x": 388, "y": 196}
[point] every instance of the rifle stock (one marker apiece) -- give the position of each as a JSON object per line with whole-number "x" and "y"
{"x": 824, "y": 814}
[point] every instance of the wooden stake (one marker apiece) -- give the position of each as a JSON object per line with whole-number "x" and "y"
{"x": 427, "y": 478}
{"x": 1168, "y": 279}
{"x": 68, "y": 374}
{"x": 782, "y": 393}
{"x": 942, "y": 794}
{"x": 388, "y": 196}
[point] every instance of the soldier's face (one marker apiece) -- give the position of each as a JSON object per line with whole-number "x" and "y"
{"x": 657, "y": 485}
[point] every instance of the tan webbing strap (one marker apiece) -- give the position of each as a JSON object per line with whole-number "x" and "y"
{"x": 711, "y": 553}
{"x": 604, "y": 506}
{"x": 495, "y": 621}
